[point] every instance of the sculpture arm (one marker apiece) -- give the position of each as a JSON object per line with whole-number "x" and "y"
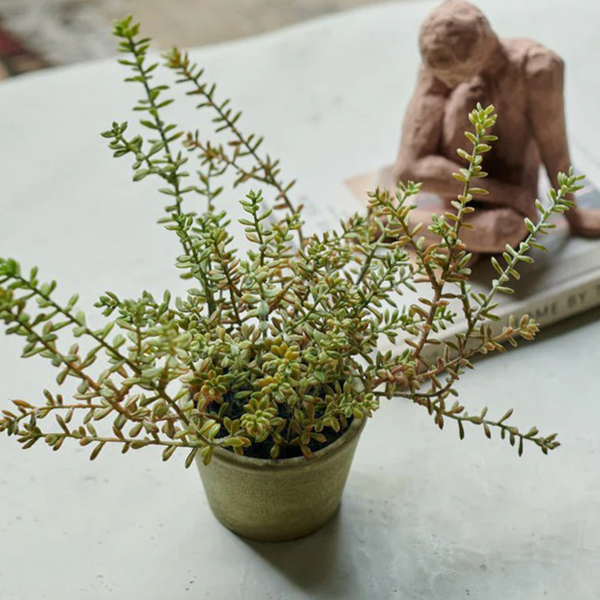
{"x": 546, "y": 108}
{"x": 420, "y": 158}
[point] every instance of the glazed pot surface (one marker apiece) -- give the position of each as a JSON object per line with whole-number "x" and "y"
{"x": 278, "y": 500}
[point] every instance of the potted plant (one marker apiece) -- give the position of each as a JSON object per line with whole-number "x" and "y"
{"x": 266, "y": 371}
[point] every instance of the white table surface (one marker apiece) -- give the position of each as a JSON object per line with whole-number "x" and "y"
{"x": 424, "y": 516}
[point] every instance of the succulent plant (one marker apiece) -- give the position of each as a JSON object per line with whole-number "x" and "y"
{"x": 272, "y": 351}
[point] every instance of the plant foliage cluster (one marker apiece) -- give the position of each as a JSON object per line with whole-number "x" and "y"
{"x": 275, "y": 349}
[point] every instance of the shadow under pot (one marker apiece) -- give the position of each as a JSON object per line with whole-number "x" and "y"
{"x": 278, "y": 500}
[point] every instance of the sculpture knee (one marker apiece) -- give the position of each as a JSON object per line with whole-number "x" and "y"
{"x": 404, "y": 171}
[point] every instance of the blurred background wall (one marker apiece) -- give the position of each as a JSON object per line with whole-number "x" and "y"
{"x": 38, "y": 33}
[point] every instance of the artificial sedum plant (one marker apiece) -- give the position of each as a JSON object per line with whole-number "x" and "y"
{"x": 272, "y": 352}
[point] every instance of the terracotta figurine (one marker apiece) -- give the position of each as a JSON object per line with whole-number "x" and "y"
{"x": 464, "y": 62}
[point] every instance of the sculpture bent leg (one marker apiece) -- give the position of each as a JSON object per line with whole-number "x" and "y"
{"x": 493, "y": 228}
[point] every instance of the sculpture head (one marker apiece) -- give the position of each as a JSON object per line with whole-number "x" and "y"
{"x": 456, "y": 42}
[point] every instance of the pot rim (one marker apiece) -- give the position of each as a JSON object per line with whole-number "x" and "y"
{"x": 298, "y": 462}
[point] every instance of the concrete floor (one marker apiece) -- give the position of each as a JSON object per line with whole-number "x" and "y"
{"x": 197, "y": 22}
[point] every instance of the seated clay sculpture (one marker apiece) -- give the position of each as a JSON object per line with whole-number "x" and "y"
{"x": 464, "y": 63}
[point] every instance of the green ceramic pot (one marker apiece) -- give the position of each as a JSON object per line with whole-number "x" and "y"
{"x": 278, "y": 500}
